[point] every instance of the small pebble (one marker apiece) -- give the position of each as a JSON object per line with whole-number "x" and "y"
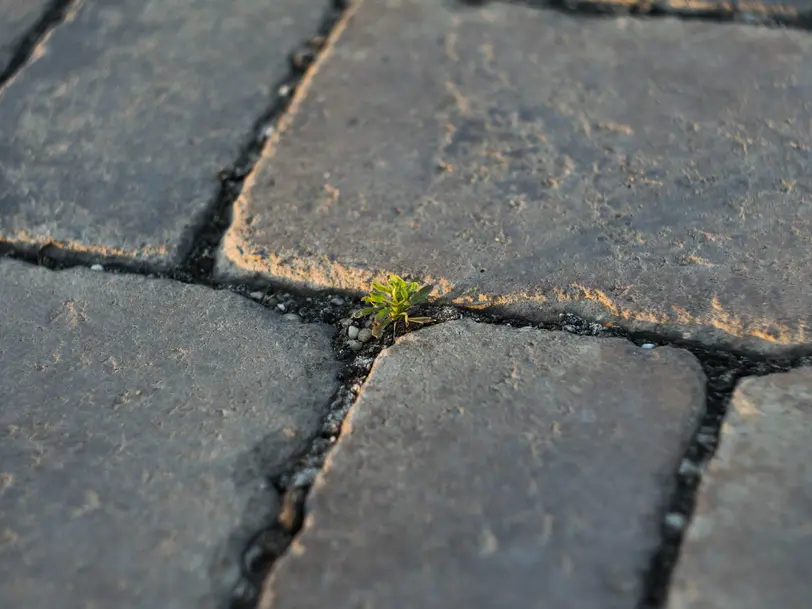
{"x": 280, "y": 306}
{"x": 256, "y": 295}
{"x": 686, "y": 468}
{"x": 647, "y": 346}
{"x": 675, "y": 521}
{"x": 364, "y": 335}
{"x": 284, "y": 90}
{"x": 353, "y": 332}
{"x": 291, "y": 317}
{"x": 97, "y": 267}
{"x": 355, "y": 345}
{"x": 345, "y": 322}
{"x": 337, "y": 301}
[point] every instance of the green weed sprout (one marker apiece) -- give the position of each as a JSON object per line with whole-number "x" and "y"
{"x": 390, "y": 303}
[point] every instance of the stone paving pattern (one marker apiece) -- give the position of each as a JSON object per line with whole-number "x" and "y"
{"x": 139, "y": 419}
{"x": 533, "y": 494}
{"x": 114, "y": 135}
{"x": 651, "y": 172}
{"x": 518, "y": 155}
{"x": 750, "y": 543}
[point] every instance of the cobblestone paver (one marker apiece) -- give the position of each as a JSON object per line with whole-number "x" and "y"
{"x": 112, "y": 139}
{"x": 488, "y": 467}
{"x": 651, "y": 170}
{"x": 139, "y": 420}
{"x": 750, "y": 543}
{"x": 17, "y": 17}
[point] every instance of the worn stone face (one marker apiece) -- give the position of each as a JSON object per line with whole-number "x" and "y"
{"x": 138, "y": 423}
{"x": 17, "y": 17}
{"x": 749, "y": 545}
{"x": 487, "y": 467}
{"x": 653, "y": 171}
{"x": 112, "y": 138}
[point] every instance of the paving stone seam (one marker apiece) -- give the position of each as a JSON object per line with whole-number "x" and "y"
{"x": 734, "y": 11}
{"x": 199, "y": 262}
{"x": 54, "y": 15}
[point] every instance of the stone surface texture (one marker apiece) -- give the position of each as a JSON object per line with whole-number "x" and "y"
{"x": 139, "y": 419}
{"x": 487, "y": 467}
{"x": 17, "y": 17}
{"x": 749, "y": 545}
{"x": 654, "y": 171}
{"x": 111, "y": 140}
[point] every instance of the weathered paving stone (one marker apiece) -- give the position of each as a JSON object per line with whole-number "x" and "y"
{"x": 750, "y": 543}
{"x": 113, "y": 137}
{"x": 652, "y": 171}
{"x": 486, "y": 467}
{"x": 17, "y": 17}
{"x": 139, "y": 419}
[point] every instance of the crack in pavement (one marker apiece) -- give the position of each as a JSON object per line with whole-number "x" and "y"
{"x": 52, "y": 17}
{"x": 722, "y": 11}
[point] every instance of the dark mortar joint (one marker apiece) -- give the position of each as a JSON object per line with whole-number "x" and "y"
{"x": 654, "y": 9}
{"x": 51, "y": 18}
{"x": 199, "y": 262}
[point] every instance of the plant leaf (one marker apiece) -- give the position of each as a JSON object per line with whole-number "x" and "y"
{"x": 420, "y": 320}
{"x": 365, "y": 312}
{"x": 378, "y": 328}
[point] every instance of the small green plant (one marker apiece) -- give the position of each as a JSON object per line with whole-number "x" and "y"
{"x": 390, "y": 303}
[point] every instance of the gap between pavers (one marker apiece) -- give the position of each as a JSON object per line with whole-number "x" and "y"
{"x": 140, "y": 424}
{"x": 490, "y": 467}
{"x": 17, "y": 18}
{"x": 749, "y": 545}
{"x": 496, "y": 151}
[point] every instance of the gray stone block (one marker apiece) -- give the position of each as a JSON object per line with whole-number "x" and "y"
{"x": 750, "y": 543}
{"x": 138, "y": 423}
{"x": 112, "y": 138}
{"x": 652, "y": 172}
{"x": 486, "y": 467}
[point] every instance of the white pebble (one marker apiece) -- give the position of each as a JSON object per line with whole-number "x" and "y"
{"x": 353, "y": 332}
{"x": 355, "y": 345}
{"x": 284, "y": 90}
{"x": 647, "y": 346}
{"x": 686, "y": 468}
{"x": 675, "y": 521}
{"x": 256, "y": 295}
{"x": 291, "y": 317}
{"x": 280, "y": 306}
{"x": 337, "y": 301}
{"x": 97, "y": 267}
{"x": 364, "y": 335}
